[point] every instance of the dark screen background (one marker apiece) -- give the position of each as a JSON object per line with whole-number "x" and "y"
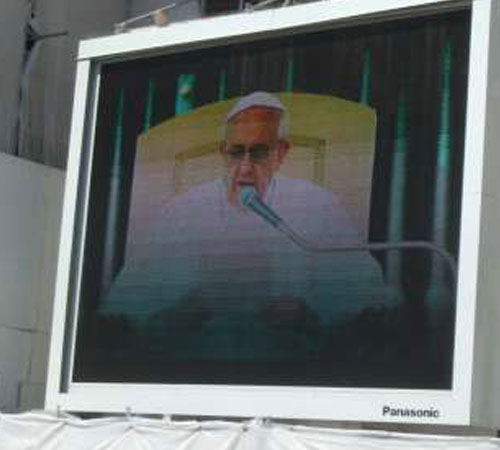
{"x": 414, "y": 74}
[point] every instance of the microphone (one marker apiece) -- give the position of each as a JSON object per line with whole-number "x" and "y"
{"x": 250, "y": 199}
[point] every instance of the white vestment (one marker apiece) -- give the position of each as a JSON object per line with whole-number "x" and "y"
{"x": 201, "y": 249}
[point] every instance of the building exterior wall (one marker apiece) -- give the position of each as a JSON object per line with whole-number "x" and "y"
{"x": 48, "y": 71}
{"x": 30, "y": 208}
{"x": 36, "y": 84}
{"x": 184, "y": 10}
{"x": 12, "y": 22}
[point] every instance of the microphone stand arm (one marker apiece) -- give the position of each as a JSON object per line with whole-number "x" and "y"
{"x": 315, "y": 247}
{"x": 250, "y": 200}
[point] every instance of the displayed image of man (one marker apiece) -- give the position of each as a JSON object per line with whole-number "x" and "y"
{"x": 254, "y": 148}
{"x": 224, "y": 282}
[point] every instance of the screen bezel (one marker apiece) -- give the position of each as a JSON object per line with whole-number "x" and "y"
{"x": 270, "y": 401}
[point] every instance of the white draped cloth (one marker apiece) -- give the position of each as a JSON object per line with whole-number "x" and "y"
{"x": 40, "y": 431}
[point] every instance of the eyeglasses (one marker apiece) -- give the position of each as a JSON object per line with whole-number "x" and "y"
{"x": 256, "y": 153}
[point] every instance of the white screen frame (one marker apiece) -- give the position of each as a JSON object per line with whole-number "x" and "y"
{"x": 253, "y": 401}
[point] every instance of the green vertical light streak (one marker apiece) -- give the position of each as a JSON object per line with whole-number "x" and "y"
{"x": 290, "y": 72}
{"x": 443, "y": 151}
{"x": 365, "y": 90}
{"x": 444, "y": 138}
{"x": 442, "y": 175}
{"x": 148, "y": 112}
{"x": 223, "y": 85}
{"x": 117, "y": 148}
{"x": 397, "y": 194}
{"x": 114, "y": 198}
{"x": 184, "y": 101}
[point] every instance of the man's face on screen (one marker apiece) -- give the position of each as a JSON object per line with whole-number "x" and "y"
{"x": 253, "y": 150}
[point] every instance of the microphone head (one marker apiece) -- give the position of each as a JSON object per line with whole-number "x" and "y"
{"x": 247, "y": 195}
{"x": 250, "y": 199}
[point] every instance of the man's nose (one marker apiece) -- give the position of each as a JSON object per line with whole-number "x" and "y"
{"x": 246, "y": 163}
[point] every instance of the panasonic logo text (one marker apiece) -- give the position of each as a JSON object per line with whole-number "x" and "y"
{"x": 389, "y": 411}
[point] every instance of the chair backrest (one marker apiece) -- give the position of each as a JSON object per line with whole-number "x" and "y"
{"x": 332, "y": 141}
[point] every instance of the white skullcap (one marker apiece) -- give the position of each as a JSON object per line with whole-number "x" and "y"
{"x": 259, "y": 98}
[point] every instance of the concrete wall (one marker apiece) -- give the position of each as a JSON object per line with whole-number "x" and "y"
{"x": 45, "y": 109}
{"x": 47, "y": 100}
{"x": 12, "y": 19}
{"x": 184, "y": 10}
{"x": 30, "y": 208}
{"x": 31, "y": 194}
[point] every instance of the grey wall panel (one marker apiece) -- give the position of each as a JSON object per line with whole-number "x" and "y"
{"x": 46, "y": 109}
{"x": 184, "y": 9}
{"x": 12, "y": 19}
{"x": 30, "y": 209}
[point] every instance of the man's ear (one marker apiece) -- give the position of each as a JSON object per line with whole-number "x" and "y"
{"x": 283, "y": 149}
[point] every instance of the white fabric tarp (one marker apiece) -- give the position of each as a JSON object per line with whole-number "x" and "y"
{"x": 36, "y": 431}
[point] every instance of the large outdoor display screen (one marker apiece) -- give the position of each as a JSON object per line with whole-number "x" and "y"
{"x": 280, "y": 212}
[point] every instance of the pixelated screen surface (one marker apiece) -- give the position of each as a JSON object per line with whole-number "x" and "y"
{"x": 280, "y": 212}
